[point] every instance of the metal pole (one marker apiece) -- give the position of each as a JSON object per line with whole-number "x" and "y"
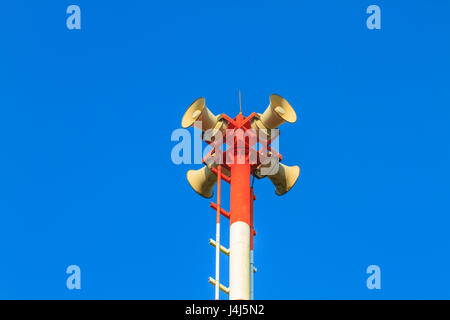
{"x": 219, "y": 173}
{"x": 240, "y": 232}
{"x": 240, "y": 226}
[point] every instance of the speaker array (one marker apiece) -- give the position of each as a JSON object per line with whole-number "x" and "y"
{"x": 278, "y": 112}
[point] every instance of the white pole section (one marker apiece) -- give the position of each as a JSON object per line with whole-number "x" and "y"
{"x": 239, "y": 261}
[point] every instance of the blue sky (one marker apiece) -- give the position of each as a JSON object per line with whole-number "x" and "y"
{"x": 86, "y": 117}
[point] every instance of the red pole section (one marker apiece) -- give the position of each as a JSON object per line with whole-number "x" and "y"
{"x": 219, "y": 179}
{"x": 240, "y": 193}
{"x": 252, "y": 227}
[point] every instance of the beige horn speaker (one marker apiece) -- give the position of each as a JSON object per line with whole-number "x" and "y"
{"x": 278, "y": 112}
{"x": 284, "y": 178}
{"x": 202, "y": 181}
{"x": 198, "y": 111}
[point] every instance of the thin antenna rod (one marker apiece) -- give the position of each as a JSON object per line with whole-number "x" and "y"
{"x": 240, "y": 104}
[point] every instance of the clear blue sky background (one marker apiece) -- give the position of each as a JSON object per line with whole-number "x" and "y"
{"x": 86, "y": 117}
